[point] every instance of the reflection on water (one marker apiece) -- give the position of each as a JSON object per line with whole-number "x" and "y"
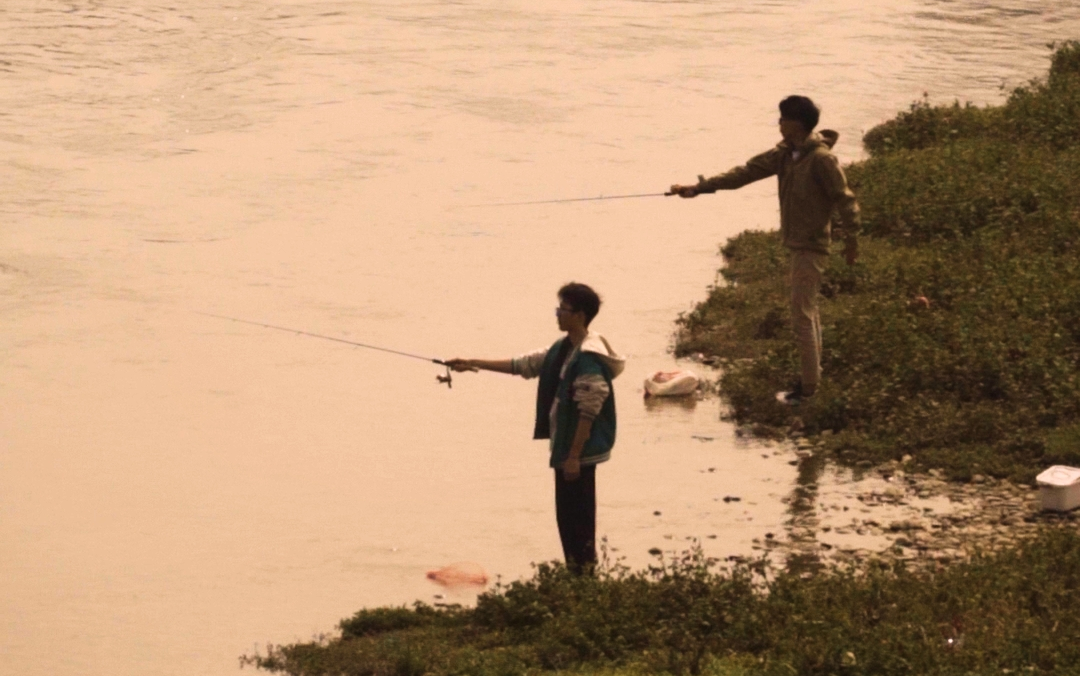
{"x": 803, "y": 522}
{"x": 660, "y": 404}
{"x": 174, "y": 488}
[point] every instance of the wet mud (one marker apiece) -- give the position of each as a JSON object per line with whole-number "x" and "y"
{"x": 840, "y": 515}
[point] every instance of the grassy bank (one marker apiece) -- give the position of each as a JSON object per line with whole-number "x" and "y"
{"x": 956, "y": 338}
{"x": 1014, "y": 611}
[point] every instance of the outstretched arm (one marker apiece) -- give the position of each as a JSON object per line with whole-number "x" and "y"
{"x": 758, "y": 167}
{"x": 527, "y": 365}
{"x": 497, "y": 365}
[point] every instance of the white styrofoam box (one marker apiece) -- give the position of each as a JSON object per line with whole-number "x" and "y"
{"x": 1059, "y": 488}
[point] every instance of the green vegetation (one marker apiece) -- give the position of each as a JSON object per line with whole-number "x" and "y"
{"x": 1014, "y": 611}
{"x": 956, "y": 338}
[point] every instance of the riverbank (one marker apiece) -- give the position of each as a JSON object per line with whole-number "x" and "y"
{"x": 955, "y": 339}
{"x": 1007, "y": 612}
{"x": 952, "y": 352}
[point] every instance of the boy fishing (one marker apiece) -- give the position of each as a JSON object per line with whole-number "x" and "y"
{"x": 812, "y": 186}
{"x": 575, "y": 411}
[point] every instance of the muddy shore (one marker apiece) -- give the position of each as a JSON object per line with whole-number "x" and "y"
{"x": 888, "y": 513}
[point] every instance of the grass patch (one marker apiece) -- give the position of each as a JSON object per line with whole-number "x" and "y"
{"x": 1015, "y": 610}
{"x": 956, "y": 338}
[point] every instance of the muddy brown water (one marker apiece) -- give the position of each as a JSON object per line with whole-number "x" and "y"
{"x": 176, "y": 490}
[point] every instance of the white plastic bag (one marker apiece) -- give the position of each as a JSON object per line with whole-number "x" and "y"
{"x": 671, "y": 383}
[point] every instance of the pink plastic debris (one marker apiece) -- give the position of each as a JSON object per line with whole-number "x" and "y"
{"x": 462, "y": 574}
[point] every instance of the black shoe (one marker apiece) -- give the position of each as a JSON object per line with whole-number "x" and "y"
{"x": 796, "y": 396}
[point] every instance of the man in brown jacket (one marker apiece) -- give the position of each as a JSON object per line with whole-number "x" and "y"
{"x": 812, "y": 187}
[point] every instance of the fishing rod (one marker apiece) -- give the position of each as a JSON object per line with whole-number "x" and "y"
{"x": 448, "y": 379}
{"x": 576, "y": 199}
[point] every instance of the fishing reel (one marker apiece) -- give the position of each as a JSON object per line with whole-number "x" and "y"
{"x": 448, "y": 378}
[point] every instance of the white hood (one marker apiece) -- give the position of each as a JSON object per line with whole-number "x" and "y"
{"x": 599, "y": 345}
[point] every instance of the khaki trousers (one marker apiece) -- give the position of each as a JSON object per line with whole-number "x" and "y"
{"x": 806, "y": 270}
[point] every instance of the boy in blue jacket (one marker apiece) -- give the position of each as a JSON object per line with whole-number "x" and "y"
{"x": 575, "y": 410}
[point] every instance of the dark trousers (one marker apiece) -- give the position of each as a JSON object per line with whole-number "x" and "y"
{"x": 575, "y": 512}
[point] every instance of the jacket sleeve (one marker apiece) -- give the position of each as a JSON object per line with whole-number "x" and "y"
{"x": 528, "y": 365}
{"x": 590, "y": 392}
{"x": 831, "y": 178}
{"x": 758, "y": 167}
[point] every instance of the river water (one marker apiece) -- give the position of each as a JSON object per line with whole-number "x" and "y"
{"x": 176, "y": 490}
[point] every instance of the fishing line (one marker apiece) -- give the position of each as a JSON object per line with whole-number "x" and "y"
{"x": 575, "y": 199}
{"x": 442, "y": 379}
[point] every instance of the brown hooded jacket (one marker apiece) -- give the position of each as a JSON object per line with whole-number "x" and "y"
{"x": 812, "y": 186}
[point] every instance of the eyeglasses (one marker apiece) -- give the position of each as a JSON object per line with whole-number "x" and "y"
{"x": 567, "y": 310}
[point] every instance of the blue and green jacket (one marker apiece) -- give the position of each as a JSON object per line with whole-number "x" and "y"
{"x": 592, "y": 365}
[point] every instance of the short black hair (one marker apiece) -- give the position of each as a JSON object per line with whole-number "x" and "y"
{"x": 581, "y": 298}
{"x": 802, "y": 109}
